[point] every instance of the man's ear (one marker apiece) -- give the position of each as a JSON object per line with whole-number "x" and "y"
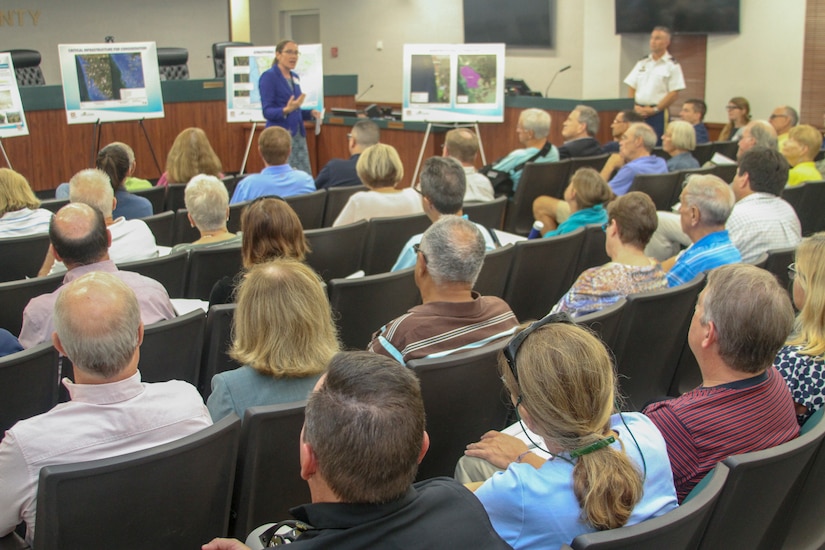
{"x": 309, "y": 462}
{"x": 54, "y": 253}
{"x": 425, "y": 445}
{"x": 58, "y": 345}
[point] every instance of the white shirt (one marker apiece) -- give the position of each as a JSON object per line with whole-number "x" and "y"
{"x": 364, "y": 205}
{"x": 479, "y": 188}
{"x": 24, "y": 223}
{"x": 131, "y": 240}
{"x": 654, "y": 79}
{"x": 100, "y": 421}
{"x": 762, "y": 222}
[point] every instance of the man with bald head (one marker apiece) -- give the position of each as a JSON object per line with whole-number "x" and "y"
{"x": 461, "y": 144}
{"x": 97, "y": 322}
{"x": 80, "y": 240}
{"x": 783, "y": 118}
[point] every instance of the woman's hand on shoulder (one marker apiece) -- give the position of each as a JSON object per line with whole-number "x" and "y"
{"x": 497, "y": 448}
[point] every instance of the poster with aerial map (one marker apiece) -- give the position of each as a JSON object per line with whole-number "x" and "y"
{"x": 244, "y": 67}
{"x": 110, "y": 82}
{"x": 453, "y": 83}
{"x": 12, "y": 117}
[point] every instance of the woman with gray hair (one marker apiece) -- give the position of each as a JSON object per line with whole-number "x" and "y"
{"x": 207, "y": 205}
{"x": 679, "y": 140}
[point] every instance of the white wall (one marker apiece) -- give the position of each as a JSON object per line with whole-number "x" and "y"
{"x": 192, "y": 24}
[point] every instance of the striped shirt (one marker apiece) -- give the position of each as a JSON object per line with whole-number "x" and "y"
{"x": 710, "y": 251}
{"x": 762, "y": 222}
{"x": 436, "y": 329}
{"x": 707, "y": 425}
{"x": 24, "y": 223}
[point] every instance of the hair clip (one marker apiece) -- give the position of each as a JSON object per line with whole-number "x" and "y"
{"x": 602, "y": 443}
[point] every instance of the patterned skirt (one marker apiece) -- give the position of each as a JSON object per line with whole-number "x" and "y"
{"x": 299, "y": 157}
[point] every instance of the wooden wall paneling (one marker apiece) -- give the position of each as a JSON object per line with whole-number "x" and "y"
{"x": 690, "y": 50}
{"x": 813, "y": 65}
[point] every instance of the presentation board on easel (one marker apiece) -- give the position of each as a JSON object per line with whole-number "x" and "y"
{"x": 110, "y": 82}
{"x": 453, "y": 83}
{"x": 12, "y": 117}
{"x": 244, "y": 67}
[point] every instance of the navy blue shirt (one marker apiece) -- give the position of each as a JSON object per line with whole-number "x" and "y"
{"x": 338, "y": 173}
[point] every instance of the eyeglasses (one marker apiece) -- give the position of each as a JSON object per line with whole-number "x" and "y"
{"x": 605, "y": 225}
{"x": 617, "y": 121}
{"x": 417, "y": 248}
{"x": 515, "y": 343}
{"x": 732, "y": 108}
{"x": 291, "y": 52}
{"x": 417, "y": 188}
{"x": 349, "y": 136}
{"x": 792, "y": 271}
{"x": 778, "y": 116}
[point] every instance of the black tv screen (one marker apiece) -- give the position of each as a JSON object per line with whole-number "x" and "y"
{"x": 681, "y": 16}
{"x": 519, "y": 23}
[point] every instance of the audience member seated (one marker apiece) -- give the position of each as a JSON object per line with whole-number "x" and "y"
{"x": 619, "y": 126}
{"x": 693, "y": 112}
{"x": 114, "y": 162}
{"x": 461, "y": 144}
{"x": 453, "y": 317}
{"x": 705, "y": 204}
{"x": 754, "y": 133}
{"x": 679, "y": 140}
{"x": 80, "y": 240}
{"x": 800, "y": 150}
{"x": 579, "y": 132}
{"x": 584, "y": 203}
{"x": 633, "y": 158}
{"x": 131, "y": 239}
{"x": 783, "y": 118}
{"x": 283, "y": 334}
{"x": 278, "y": 177}
{"x": 801, "y": 362}
{"x": 270, "y": 229}
{"x": 380, "y": 169}
{"x": 739, "y": 114}
{"x": 191, "y": 154}
{"x": 742, "y": 318}
{"x": 207, "y": 208}
{"x": 760, "y": 220}
{"x": 341, "y": 172}
{"x": 591, "y": 468}
{"x": 8, "y": 343}
{"x": 360, "y": 447}
{"x": 20, "y": 212}
{"x": 632, "y": 222}
{"x": 442, "y": 194}
{"x": 131, "y": 183}
{"x": 97, "y": 324}
{"x": 533, "y": 133}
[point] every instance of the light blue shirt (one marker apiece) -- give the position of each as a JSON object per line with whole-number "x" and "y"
{"x": 580, "y": 218}
{"x": 281, "y": 180}
{"x": 705, "y": 254}
{"x": 519, "y": 156}
{"x": 651, "y": 164}
{"x": 407, "y": 257}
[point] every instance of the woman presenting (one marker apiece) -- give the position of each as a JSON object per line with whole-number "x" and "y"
{"x": 281, "y": 97}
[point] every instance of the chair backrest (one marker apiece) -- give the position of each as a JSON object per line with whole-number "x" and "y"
{"x": 537, "y": 179}
{"x": 493, "y": 277}
{"x": 773, "y": 479}
{"x": 726, "y": 171}
{"x": 309, "y": 207}
{"x": 15, "y": 296}
{"x": 595, "y": 162}
{"x": 336, "y": 251}
{"x": 703, "y": 152}
{"x": 155, "y": 195}
{"x": 650, "y": 339}
{"x": 659, "y": 187}
{"x": 28, "y": 384}
{"x": 235, "y": 211}
{"x": 362, "y": 306}
{"x": 386, "y": 237}
{"x": 53, "y": 205}
{"x": 541, "y": 272}
{"x": 777, "y": 263}
{"x": 172, "y": 63}
{"x": 163, "y": 227}
{"x": 727, "y": 148}
{"x": 169, "y": 270}
{"x": 593, "y": 252}
{"x": 679, "y": 529}
{"x": 182, "y": 229}
{"x": 660, "y": 152}
{"x": 605, "y": 322}
{"x": 463, "y": 398}
{"x": 175, "y": 196}
{"x": 216, "y": 343}
{"x": 207, "y": 266}
{"x": 489, "y": 214}
{"x": 171, "y": 349}
{"x": 175, "y": 495}
{"x": 807, "y": 199}
{"x": 22, "y": 256}
{"x": 337, "y": 198}
{"x": 219, "y": 55}
{"x": 27, "y": 67}
{"x": 269, "y": 470}
{"x": 231, "y": 182}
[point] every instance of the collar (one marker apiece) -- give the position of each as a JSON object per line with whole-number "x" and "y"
{"x": 469, "y": 170}
{"x": 18, "y": 214}
{"x": 717, "y": 237}
{"x": 343, "y": 515}
{"x": 279, "y": 169}
{"x": 456, "y": 309}
{"x": 746, "y": 383}
{"x": 756, "y": 196}
{"x": 105, "y": 394}
{"x": 665, "y": 58}
{"x": 107, "y": 266}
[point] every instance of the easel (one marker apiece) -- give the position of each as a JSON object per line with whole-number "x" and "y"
{"x": 96, "y": 134}
{"x": 5, "y": 156}
{"x": 473, "y": 125}
{"x": 248, "y": 146}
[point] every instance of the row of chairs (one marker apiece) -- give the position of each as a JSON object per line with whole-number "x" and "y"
{"x": 705, "y": 151}
{"x": 664, "y": 189}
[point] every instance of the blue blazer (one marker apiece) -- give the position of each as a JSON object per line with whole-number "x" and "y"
{"x": 275, "y": 94}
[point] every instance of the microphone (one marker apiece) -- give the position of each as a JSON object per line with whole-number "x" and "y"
{"x": 362, "y": 94}
{"x": 554, "y": 78}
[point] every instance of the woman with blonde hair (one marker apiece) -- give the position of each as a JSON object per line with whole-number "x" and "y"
{"x": 20, "y": 212}
{"x": 283, "y": 334}
{"x": 802, "y": 361}
{"x": 207, "y": 207}
{"x": 679, "y": 141}
{"x": 191, "y": 154}
{"x": 586, "y": 195}
{"x": 379, "y": 168}
{"x": 589, "y": 467}
{"x": 739, "y": 114}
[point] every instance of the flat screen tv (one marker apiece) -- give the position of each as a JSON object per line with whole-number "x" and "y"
{"x": 519, "y": 23}
{"x": 681, "y": 16}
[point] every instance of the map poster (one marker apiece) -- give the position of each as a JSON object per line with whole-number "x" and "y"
{"x": 244, "y": 67}
{"x": 110, "y": 82}
{"x": 453, "y": 83}
{"x": 12, "y": 117}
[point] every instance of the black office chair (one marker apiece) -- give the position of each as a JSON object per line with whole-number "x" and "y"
{"x": 703, "y": 152}
{"x": 777, "y": 263}
{"x": 175, "y": 196}
{"x": 28, "y": 384}
{"x": 385, "y": 240}
{"x": 235, "y": 211}
{"x": 605, "y": 322}
{"x": 335, "y": 252}
{"x": 217, "y": 341}
{"x": 53, "y": 205}
{"x": 171, "y": 349}
{"x": 493, "y": 277}
{"x": 219, "y": 55}
{"x": 268, "y": 481}
{"x": 183, "y": 231}
{"x": 169, "y": 270}
{"x": 727, "y": 148}
{"x": 15, "y": 296}
{"x": 206, "y": 267}
{"x": 155, "y": 195}
{"x": 175, "y": 495}
{"x": 807, "y": 199}
{"x": 163, "y": 227}
{"x": 27, "y": 67}
{"x": 22, "y": 256}
{"x": 337, "y": 198}
{"x": 172, "y": 63}
{"x": 595, "y": 162}
{"x": 309, "y": 207}
{"x": 659, "y": 187}
{"x": 547, "y": 178}
{"x": 463, "y": 398}
{"x": 592, "y": 252}
{"x": 725, "y": 171}
{"x": 489, "y": 214}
